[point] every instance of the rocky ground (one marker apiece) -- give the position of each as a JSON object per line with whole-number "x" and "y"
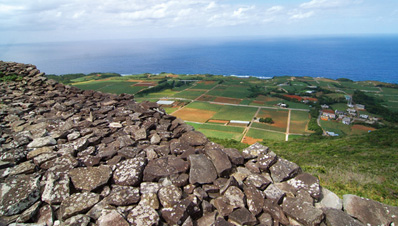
{"x": 74, "y": 157}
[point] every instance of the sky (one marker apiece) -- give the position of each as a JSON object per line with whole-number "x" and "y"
{"x": 27, "y": 21}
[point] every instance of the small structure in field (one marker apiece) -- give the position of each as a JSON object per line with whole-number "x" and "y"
{"x": 360, "y": 106}
{"x": 165, "y": 102}
{"x": 332, "y": 134}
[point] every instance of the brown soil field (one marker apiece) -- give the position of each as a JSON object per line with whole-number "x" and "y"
{"x": 279, "y": 117}
{"x": 218, "y": 121}
{"x": 228, "y": 100}
{"x": 172, "y": 76}
{"x": 194, "y": 115}
{"x": 362, "y": 127}
{"x": 258, "y": 102}
{"x": 265, "y": 98}
{"x": 250, "y": 140}
{"x": 205, "y": 98}
{"x": 133, "y": 80}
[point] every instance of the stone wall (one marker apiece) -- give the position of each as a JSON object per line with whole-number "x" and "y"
{"x": 74, "y": 157}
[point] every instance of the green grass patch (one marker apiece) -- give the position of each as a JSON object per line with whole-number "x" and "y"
{"x": 111, "y": 86}
{"x": 365, "y": 165}
{"x": 298, "y": 122}
{"x": 202, "y": 85}
{"x": 205, "y": 106}
{"x": 337, "y": 127}
{"x": 265, "y": 135}
{"x": 219, "y": 131}
{"x": 233, "y": 91}
{"x": 188, "y": 94}
{"x": 228, "y": 112}
{"x": 268, "y": 127}
{"x": 246, "y": 101}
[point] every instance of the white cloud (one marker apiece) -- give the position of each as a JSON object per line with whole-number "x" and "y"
{"x": 325, "y": 4}
{"x": 275, "y": 9}
{"x": 301, "y": 15}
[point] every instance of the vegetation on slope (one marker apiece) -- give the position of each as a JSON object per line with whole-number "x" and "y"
{"x": 365, "y": 165}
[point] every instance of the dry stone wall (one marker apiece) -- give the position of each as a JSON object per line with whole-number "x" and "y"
{"x": 74, "y": 157}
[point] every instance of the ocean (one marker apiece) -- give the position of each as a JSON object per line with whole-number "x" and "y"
{"x": 356, "y": 58}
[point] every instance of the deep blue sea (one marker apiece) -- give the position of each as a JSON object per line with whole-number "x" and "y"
{"x": 356, "y": 58}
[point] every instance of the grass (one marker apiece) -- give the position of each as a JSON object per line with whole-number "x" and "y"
{"x": 337, "y": 127}
{"x": 203, "y": 85}
{"x": 365, "y": 165}
{"x": 228, "y": 112}
{"x": 268, "y": 126}
{"x": 204, "y": 106}
{"x": 111, "y": 86}
{"x": 188, "y": 94}
{"x": 219, "y": 131}
{"x": 265, "y": 135}
{"x": 298, "y": 122}
{"x": 233, "y": 91}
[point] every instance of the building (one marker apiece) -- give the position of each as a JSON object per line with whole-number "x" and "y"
{"x": 360, "y": 106}
{"x": 346, "y": 121}
{"x": 245, "y": 123}
{"x": 324, "y": 106}
{"x": 332, "y": 134}
{"x": 337, "y": 112}
{"x": 364, "y": 116}
{"x": 329, "y": 113}
{"x": 165, "y": 102}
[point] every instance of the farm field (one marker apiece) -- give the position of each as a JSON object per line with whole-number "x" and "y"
{"x": 298, "y": 122}
{"x": 110, "y": 86}
{"x": 219, "y": 131}
{"x": 265, "y": 135}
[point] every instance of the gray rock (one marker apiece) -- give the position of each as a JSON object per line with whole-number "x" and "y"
{"x": 257, "y": 180}
{"x": 234, "y": 155}
{"x": 242, "y": 216}
{"x": 266, "y": 219}
{"x": 266, "y": 160}
{"x": 220, "y": 161}
{"x": 39, "y": 151}
{"x": 56, "y": 188}
{"x": 169, "y": 195}
{"x": 78, "y": 220}
{"x": 113, "y": 218}
{"x": 235, "y": 197}
{"x": 330, "y": 200}
{"x": 139, "y": 134}
{"x": 222, "y": 222}
{"x": 29, "y": 213}
{"x": 18, "y": 193}
{"x": 163, "y": 167}
{"x": 150, "y": 199}
{"x": 194, "y": 138}
{"x": 276, "y": 212}
{"x": 90, "y": 178}
{"x": 123, "y": 195}
{"x": 179, "y": 212}
{"x": 149, "y": 187}
{"x": 274, "y": 194}
{"x": 308, "y": 183}
{"x": 23, "y": 168}
{"x": 223, "y": 208}
{"x": 283, "y": 170}
{"x": 254, "y": 199}
{"x": 45, "y": 215}
{"x": 338, "y": 217}
{"x": 143, "y": 215}
{"x": 202, "y": 170}
{"x": 129, "y": 172}
{"x": 207, "y": 219}
{"x": 77, "y": 203}
{"x": 254, "y": 151}
{"x": 370, "y": 212}
{"x": 41, "y": 142}
{"x": 302, "y": 212}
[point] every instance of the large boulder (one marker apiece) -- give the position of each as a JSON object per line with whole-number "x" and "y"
{"x": 78, "y": 203}
{"x": 90, "y": 178}
{"x": 370, "y": 212}
{"x": 18, "y": 193}
{"x": 129, "y": 172}
{"x": 202, "y": 170}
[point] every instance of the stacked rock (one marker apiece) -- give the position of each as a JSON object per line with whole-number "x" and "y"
{"x": 74, "y": 157}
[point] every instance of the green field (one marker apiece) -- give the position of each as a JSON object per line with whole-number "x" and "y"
{"x": 110, "y": 86}
{"x": 298, "y": 122}
{"x": 233, "y": 91}
{"x": 189, "y": 94}
{"x": 204, "y": 106}
{"x": 227, "y": 112}
{"x": 337, "y": 127}
{"x": 268, "y": 126}
{"x": 219, "y": 131}
{"x": 265, "y": 135}
{"x": 202, "y": 85}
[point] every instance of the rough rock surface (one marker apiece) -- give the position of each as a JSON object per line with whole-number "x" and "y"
{"x": 74, "y": 157}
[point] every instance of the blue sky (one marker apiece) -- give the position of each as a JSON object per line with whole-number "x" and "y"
{"x": 25, "y": 21}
